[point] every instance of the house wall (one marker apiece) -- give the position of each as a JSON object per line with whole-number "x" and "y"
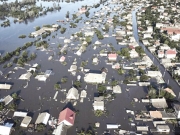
{"x": 170, "y": 56}
{"x": 99, "y": 108}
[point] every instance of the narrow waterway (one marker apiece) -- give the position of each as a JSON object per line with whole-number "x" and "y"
{"x": 166, "y": 76}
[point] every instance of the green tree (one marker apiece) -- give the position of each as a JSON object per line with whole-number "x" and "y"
{"x": 77, "y": 84}
{"x": 87, "y": 13}
{"x": 141, "y": 72}
{"x": 101, "y": 88}
{"x": 114, "y": 83}
{"x": 88, "y": 40}
{"x": 12, "y": 106}
{"x": 144, "y": 78}
{"x": 154, "y": 68}
{"x": 1, "y": 106}
{"x": 139, "y": 50}
{"x": 131, "y": 72}
{"x": 40, "y": 127}
{"x": 63, "y": 80}
{"x": 120, "y": 71}
{"x": 166, "y": 94}
{"x": 152, "y": 93}
{"x": 57, "y": 86}
{"x": 15, "y": 96}
{"x": 38, "y": 28}
{"x": 98, "y": 113}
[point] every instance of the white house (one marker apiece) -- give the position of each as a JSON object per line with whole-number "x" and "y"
{"x": 175, "y": 37}
{"x": 121, "y": 32}
{"x": 89, "y": 33}
{"x": 4, "y": 130}
{"x": 163, "y": 128}
{"x": 147, "y": 35}
{"x": 42, "y": 118}
{"x": 117, "y": 89}
{"x": 25, "y": 76}
{"x": 95, "y": 77}
{"x": 164, "y": 47}
{"x": 72, "y": 94}
{"x": 160, "y": 53}
{"x": 95, "y": 60}
{"x": 159, "y": 25}
{"x": 133, "y": 53}
{"x": 146, "y": 42}
{"x": 150, "y": 29}
{"x": 154, "y": 73}
{"x": 26, "y": 121}
{"x": 8, "y": 99}
{"x": 98, "y": 103}
{"x": 171, "y": 54}
{"x": 66, "y": 41}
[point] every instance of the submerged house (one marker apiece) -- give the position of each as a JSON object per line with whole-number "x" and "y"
{"x": 5, "y": 86}
{"x": 42, "y": 118}
{"x": 95, "y": 77}
{"x": 112, "y": 57}
{"x": 98, "y": 103}
{"x": 26, "y": 121}
{"x": 72, "y": 94}
{"x": 62, "y": 59}
{"x": 67, "y": 117}
{"x": 65, "y": 121}
{"x": 8, "y": 99}
{"x": 25, "y": 76}
{"x": 5, "y": 130}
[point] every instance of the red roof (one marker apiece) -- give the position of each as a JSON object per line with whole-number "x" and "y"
{"x": 112, "y": 55}
{"x": 67, "y": 115}
{"x": 170, "y": 52}
{"x": 62, "y": 58}
{"x": 132, "y": 47}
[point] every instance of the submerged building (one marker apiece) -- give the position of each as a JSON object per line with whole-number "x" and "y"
{"x": 95, "y": 77}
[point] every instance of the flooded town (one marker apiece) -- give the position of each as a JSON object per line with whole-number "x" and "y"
{"x": 89, "y": 67}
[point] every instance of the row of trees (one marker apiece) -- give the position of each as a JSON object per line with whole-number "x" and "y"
{"x": 16, "y": 52}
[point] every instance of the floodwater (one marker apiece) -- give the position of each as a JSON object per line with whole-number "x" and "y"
{"x": 37, "y": 101}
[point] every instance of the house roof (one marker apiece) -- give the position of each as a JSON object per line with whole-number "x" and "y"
{"x": 60, "y": 130}
{"x": 62, "y": 58}
{"x": 42, "y": 118}
{"x": 83, "y": 94}
{"x": 155, "y": 114}
{"x": 7, "y": 99}
{"x": 159, "y": 103}
{"x": 25, "y": 122}
{"x": 25, "y": 76}
{"x": 4, "y": 130}
{"x": 67, "y": 115}
{"x": 163, "y": 127}
{"x": 132, "y": 47}
{"x": 112, "y": 55}
{"x": 171, "y": 52}
{"x": 117, "y": 89}
{"x": 20, "y": 114}
{"x": 48, "y": 72}
{"x": 5, "y": 86}
{"x": 72, "y": 94}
